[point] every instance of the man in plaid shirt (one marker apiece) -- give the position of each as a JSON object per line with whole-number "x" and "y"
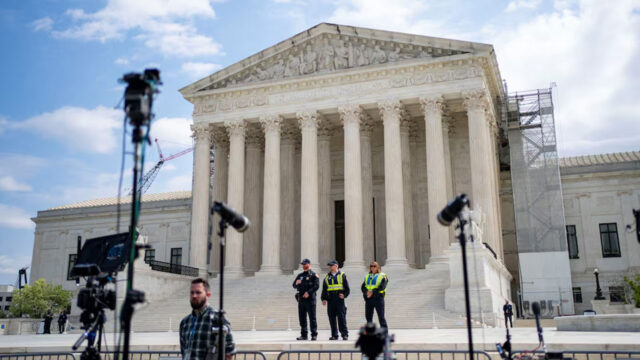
{"x": 197, "y": 339}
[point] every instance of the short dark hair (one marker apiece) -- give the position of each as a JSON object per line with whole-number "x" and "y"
{"x": 202, "y": 281}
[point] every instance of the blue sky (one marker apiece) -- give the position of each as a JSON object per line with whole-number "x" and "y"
{"x": 60, "y": 135}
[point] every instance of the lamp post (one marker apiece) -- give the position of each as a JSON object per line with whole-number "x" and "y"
{"x": 598, "y": 290}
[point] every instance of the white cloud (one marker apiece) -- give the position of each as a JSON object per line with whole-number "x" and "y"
{"x": 199, "y": 70}
{"x": 19, "y": 166}
{"x": 10, "y": 265}
{"x": 90, "y": 130}
{"x": 121, "y": 61}
{"x": 179, "y": 183}
{"x": 44, "y": 24}
{"x": 8, "y": 183}
{"x": 591, "y": 50}
{"x": 14, "y": 218}
{"x": 522, "y": 4}
{"x": 159, "y": 24}
{"x": 172, "y": 133}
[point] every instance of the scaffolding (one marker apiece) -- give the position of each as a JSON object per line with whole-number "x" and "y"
{"x": 537, "y": 195}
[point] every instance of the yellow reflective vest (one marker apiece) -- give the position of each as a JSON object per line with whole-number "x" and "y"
{"x": 373, "y": 281}
{"x": 334, "y": 284}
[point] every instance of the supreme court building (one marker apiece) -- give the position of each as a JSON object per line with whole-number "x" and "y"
{"x": 345, "y": 142}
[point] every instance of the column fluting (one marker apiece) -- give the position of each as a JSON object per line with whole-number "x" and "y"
{"x": 200, "y": 197}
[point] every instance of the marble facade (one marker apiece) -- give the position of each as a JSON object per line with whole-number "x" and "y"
{"x": 362, "y": 116}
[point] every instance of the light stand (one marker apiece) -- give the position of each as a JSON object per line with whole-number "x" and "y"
{"x": 138, "y": 103}
{"x": 228, "y": 216}
{"x": 222, "y": 233}
{"x": 454, "y": 209}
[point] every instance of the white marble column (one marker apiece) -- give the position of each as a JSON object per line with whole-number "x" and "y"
{"x": 325, "y": 202}
{"x": 351, "y": 115}
{"x": 436, "y": 174}
{"x": 200, "y": 198}
{"x": 252, "y": 238}
{"x": 308, "y": 122}
{"x": 366, "y": 128}
{"x": 220, "y": 175}
{"x": 271, "y": 209}
{"x": 477, "y": 103}
{"x": 495, "y": 198}
{"x": 289, "y": 249}
{"x": 391, "y": 113}
{"x": 447, "y": 128}
{"x": 235, "y": 196}
{"x": 405, "y": 129}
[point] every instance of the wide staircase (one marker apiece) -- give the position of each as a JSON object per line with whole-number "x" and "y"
{"x": 415, "y": 299}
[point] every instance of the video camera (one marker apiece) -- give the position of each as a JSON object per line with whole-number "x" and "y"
{"x": 373, "y": 341}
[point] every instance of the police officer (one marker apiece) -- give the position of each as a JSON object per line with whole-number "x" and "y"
{"x": 335, "y": 288}
{"x": 374, "y": 289}
{"x": 307, "y": 284}
{"x": 508, "y": 313}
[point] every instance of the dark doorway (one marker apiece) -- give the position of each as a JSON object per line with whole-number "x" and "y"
{"x": 339, "y": 231}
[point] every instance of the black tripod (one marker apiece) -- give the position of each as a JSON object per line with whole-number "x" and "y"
{"x": 93, "y": 324}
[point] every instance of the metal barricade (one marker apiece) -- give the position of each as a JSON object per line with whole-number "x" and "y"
{"x": 400, "y": 355}
{"x": 582, "y": 354}
{"x": 38, "y": 356}
{"x": 156, "y": 355}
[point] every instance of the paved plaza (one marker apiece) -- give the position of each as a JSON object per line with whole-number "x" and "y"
{"x": 406, "y": 339}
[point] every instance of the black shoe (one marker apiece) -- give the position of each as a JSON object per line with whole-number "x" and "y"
{"x": 314, "y": 337}
{"x": 345, "y": 338}
{"x": 302, "y": 338}
{"x": 333, "y": 338}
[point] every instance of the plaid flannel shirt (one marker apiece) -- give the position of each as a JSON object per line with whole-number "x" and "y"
{"x": 196, "y": 337}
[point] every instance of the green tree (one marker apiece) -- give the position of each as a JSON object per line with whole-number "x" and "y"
{"x": 634, "y": 284}
{"x": 38, "y": 299}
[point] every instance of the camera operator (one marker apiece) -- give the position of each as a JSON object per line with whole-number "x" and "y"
{"x": 198, "y": 338}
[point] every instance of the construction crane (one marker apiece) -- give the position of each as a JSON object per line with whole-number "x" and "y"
{"x": 148, "y": 178}
{"x": 22, "y": 274}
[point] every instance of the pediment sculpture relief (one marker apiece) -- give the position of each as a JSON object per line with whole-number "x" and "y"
{"x": 330, "y": 53}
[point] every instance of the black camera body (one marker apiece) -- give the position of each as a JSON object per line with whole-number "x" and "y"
{"x": 94, "y": 297}
{"x": 138, "y": 96}
{"x": 373, "y": 341}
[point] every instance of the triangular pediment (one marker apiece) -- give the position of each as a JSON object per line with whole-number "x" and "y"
{"x": 327, "y": 48}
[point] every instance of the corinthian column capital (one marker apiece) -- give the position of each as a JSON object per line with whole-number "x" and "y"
{"x": 350, "y": 114}
{"x": 219, "y": 137}
{"x": 476, "y": 99}
{"x": 271, "y": 123}
{"x": 308, "y": 120}
{"x": 235, "y": 127}
{"x": 432, "y": 105}
{"x": 391, "y": 109}
{"x": 201, "y": 132}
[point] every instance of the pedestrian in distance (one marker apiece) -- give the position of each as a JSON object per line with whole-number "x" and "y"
{"x": 306, "y": 284}
{"x": 62, "y": 321}
{"x": 335, "y": 288}
{"x": 374, "y": 290}
{"x": 47, "y": 323}
{"x": 198, "y": 339}
{"x": 508, "y": 313}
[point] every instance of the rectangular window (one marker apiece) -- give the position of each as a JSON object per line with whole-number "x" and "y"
{"x": 176, "y": 256}
{"x": 9, "y": 298}
{"x": 572, "y": 242}
{"x": 7, "y": 307}
{"x": 616, "y": 293}
{"x": 609, "y": 240}
{"x": 149, "y": 254}
{"x": 577, "y": 295}
{"x": 0, "y": 298}
{"x": 72, "y": 262}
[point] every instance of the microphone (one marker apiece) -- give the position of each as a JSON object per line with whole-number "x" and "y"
{"x": 453, "y": 208}
{"x": 536, "y": 311}
{"x": 238, "y": 221}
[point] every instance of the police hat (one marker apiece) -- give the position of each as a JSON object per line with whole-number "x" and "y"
{"x": 332, "y": 262}
{"x": 305, "y": 261}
